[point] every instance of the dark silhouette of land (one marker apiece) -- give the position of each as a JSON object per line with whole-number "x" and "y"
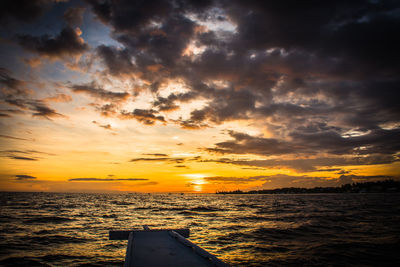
{"x": 387, "y": 186}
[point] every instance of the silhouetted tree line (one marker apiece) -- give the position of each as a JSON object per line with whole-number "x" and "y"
{"x": 366, "y": 187}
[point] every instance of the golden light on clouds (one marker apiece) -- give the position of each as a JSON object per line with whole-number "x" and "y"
{"x": 195, "y": 100}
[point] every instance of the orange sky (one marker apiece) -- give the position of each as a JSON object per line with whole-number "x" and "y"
{"x": 175, "y": 101}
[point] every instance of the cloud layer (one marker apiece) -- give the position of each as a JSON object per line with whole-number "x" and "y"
{"x": 307, "y": 86}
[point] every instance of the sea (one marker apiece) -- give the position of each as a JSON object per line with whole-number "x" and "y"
{"x": 71, "y": 229}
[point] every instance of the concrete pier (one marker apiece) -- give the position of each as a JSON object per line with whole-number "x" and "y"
{"x": 164, "y": 248}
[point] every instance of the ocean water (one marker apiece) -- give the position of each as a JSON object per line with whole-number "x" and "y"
{"x": 55, "y": 229}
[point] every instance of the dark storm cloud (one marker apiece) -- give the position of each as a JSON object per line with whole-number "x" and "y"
{"x": 130, "y": 15}
{"x": 377, "y": 141}
{"x": 74, "y": 16}
{"x": 221, "y": 107}
{"x": 363, "y": 32}
{"x": 105, "y": 179}
{"x": 96, "y": 91}
{"x": 21, "y": 177}
{"x": 118, "y": 62}
{"x": 321, "y": 77}
{"x": 246, "y": 144}
{"x": 23, "y": 10}
{"x": 67, "y": 43}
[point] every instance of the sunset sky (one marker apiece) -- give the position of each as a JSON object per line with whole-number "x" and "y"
{"x": 197, "y": 96}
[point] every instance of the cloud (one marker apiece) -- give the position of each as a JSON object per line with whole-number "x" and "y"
{"x": 246, "y": 144}
{"x": 181, "y": 166}
{"x": 59, "y": 98}
{"x": 259, "y": 70}
{"x": 13, "y": 137}
{"x": 106, "y": 110}
{"x": 41, "y": 110}
{"x": 145, "y": 116}
{"x": 105, "y": 179}
{"x": 311, "y": 164}
{"x": 27, "y": 155}
{"x": 155, "y": 154}
{"x": 319, "y": 80}
{"x": 97, "y": 92}
{"x": 106, "y": 126}
{"x": 11, "y": 86}
{"x": 118, "y": 62}
{"x": 147, "y": 183}
{"x": 159, "y": 158}
{"x": 234, "y": 180}
{"x": 74, "y": 16}
{"x": 22, "y": 177}
{"x": 22, "y": 158}
{"x": 38, "y": 108}
{"x": 25, "y": 10}
{"x": 14, "y": 92}
{"x": 378, "y": 146}
{"x": 150, "y": 159}
{"x": 67, "y": 44}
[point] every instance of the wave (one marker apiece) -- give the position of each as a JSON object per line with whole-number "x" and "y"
{"x": 48, "y": 219}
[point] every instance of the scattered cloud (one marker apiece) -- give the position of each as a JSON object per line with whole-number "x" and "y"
{"x": 10, "y": 86}
{"x": 22, "y": 158}
{"x": 155, "y": 154}
{"x": 94, "y": 90}
{"x": 150, "y": 159}
{"x": 22, "y": 177}
{"x": 105, "y": 126}
{"x": 40, "y": 109}
{"x": 159, "y": 158}
{"x": 145, "y": 116}
{"x": 67, "y": 44}
{"x": 310, "y": 164}
{"x": 13, "y": 137}
{"x": 59, "y": 98}
{"x": 106, "y": 179}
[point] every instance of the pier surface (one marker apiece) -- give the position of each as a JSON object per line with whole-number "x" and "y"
{"x": 163, "y": 248}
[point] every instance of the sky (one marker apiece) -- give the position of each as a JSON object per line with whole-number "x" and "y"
{"x": 197, "y": 96}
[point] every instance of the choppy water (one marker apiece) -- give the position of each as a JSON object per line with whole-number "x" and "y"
{"x": 45, "y": 229}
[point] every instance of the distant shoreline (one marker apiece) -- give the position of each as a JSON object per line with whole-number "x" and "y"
{"x": 387, "y": 186}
